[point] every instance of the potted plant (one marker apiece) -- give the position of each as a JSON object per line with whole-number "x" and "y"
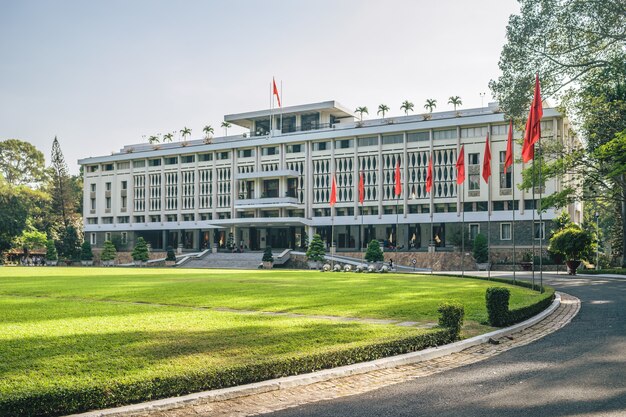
{"x": 527, "y": 261}
{"x": 481, "y": 252}
{"x": 52, "y": 256}
{"x": 268, "y": 258}
{"x": 109, "y": 253}
{"x": 170, "y": 259}
{"x": 573, "y": 243}
{"x": 140, "y": 253}
{"x": 316, "y": 252}
{"x": 374, "y": 254}
{"x": 86, "y": 254}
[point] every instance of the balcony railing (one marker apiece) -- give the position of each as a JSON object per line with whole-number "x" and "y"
{"x": 266, "y": 202}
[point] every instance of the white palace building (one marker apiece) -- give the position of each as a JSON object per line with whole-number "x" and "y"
{"x": 272, "y": 188}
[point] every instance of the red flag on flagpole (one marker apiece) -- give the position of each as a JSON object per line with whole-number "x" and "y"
{"x": 508, "y": 159}
{"x": 361, "y": 188}
{"x": 398, "y": 180}
{"x": 429, "y": 175}
{"x": 275, "y": 91}
{"x": 460, "y": 166}
{"x": 333, "y": 192}
{"x": 533, "y": 125}
{"x": 487, "y": 161}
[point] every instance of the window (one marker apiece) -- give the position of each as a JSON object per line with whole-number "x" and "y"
{"x": 474, "y": 230}
{"x": 124, "y": 185}
{"x": 155, "y": 218}
{"x": 107, "y": 167}
{"x": 296, "y": 148}
{"x": 417, "y": 137}
{"x": 93, "y": 204}
{"x": 92, "y": 238}
{"x": 499, "y": 130}
{"x": 368, "y": 141}
{"x": 205, "y": 157}
{"x": 505, "y": 231}
{"x": 444, "y": 134}
{"x": 344, "y": 144}
{"x": 154, "y": 162}
{"x": 321, "y": 146}
{"x": 92, "y": 220}
{"x": 474, "y": 132}
{"x": 123, "y": 165}
{"x": 393, "y": 139}
{"x": 310, "y": 121}
{"x": 172, "y": 160}
{"x": 139, "y": 219}
{"x": 262, "y": 127}
{"x": 139, "y": 164}
{"x": 107, "y": 236}
{"x": 189, "y": 217}
{"x": 107, "y": 203}
{"x": 187, "y": 159}
{"x": 93, "y": 188}
{"x": 530, "y": 204}
{"x": 540, "y": 230}
{"x": 472, "y": 159}
{"x": 171, "y": 218}
{"x": 92, "y": 168}
{"x": 123, "y": 219}
{"x": 107, "y": 220}
{"x": 546, "y": 126}
{"x": 107, "y": 186}
{"x": 474, "y": 176}
{"x": 222, "y": 155}
{"x": 272, "y": 150}
{"x": 124, "y": 202}
{"x": 124, "y": 238}
{"x": 505, "y": 180}
{"x": 245, "y": 153}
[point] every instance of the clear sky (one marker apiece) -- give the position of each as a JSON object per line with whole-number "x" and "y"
{"x": 102, "y": 74}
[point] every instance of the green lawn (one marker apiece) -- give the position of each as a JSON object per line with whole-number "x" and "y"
{"x": 78, "y": 328}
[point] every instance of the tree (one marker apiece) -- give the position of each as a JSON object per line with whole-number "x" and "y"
{"x": 21, "y": 163}
{"x": 185, "y": 132}
{"x": 361, "y": 110}
{"x": 455, "y": 101}
{"x": 168, "y": 137}
{"x": 51, "y": 251}
{"x": 32, "y": 238}
{"x": 153, "y": 139}
{"x": 70, "y": 244}
{"x": 316, "y": 251}
{"x": 171, "y": 255}
{"x": 63, "y": 198}
{"x": 573, "y": 242}
{"x": 109, "y": 253}
{"x": 374, "y": 253}
{"x": 430, "y": 104}
{"x": 267, "y": 255}
{"x": 86, "y": 254}
{"x": 140, "y": 253}
{"x": 13, "y": 215}
{"x": 226, "y": 126}
{"x": 481, "y": 250}
{"x": 208, "y": 131}
{"x": 382, "y": 108}
{"x": 407, "y": 106}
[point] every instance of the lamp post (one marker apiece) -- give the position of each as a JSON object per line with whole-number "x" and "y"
{"x": 597, "y": 215}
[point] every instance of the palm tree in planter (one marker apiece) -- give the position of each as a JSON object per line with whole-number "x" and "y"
{"x": 140, "y": 253}
{"x": 316, "y": 252}
{"x": 52, "y": 257}
{"x": 226, "y": 126}
{"x": 574, "y": 244}
{"x": 382, "y": 108}
{"x": 208, "y": 132}
{"x": 407, "y": 106}
{"x": 153, "y": 139}
{"x": 362, "y": 110}
{"x": 374, "y": 253}
{"x": 430, "y": 104}
{"x": 268, "y": 258}
{"x": 455, "y": 101}
{"x": 86, "y": 254}
{"x": 481, "y": 252}
{"x": 168, "y": 137}
{"x": 109, "y": 253}
{"x": 184, "y": 132}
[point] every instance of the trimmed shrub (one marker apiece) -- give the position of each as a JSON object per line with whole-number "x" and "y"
{"x": 267, "y": 255}
{"x": 481, "y": 251}
{"x": 51, "y": 251}
{"x": 140, "y": 253}
{"x": 498, "y": 305}
{"x": 108, "y": 253}
{"x": 374, "y": 253}
{"x": 451, "y": 317}
{"x": 316, "y": 251}
{"x": 86, "y": 253}
{"x": 171, "y": 256}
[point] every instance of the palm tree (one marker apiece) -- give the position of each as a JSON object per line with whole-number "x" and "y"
{"x": 455, "y": 101}
{"x": 208, "y": 131}
{"x": 361, "y": 110}
{"x": 153, "y": 139}
{"x": 406, "y": 106}
{"x": 383, "y": 108}
{"x": 430, "y": 104}
{"x": 168, "y": 137}
{"x": 226, "y": 125}
{"x": 185, "y": 132}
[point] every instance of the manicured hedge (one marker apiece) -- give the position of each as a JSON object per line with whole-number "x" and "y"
{"x": 67, "y": 400}
{"x": 451, "y": 317}
{"x": 497, "y": 299}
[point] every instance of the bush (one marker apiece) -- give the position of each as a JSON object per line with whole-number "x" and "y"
{"x": 86, "y": 254}
{"x": 171, "y": 256}
{"x": 51, "y": 251}
{"x": 498, "y": 305}
{"x": 108, "y": 253}
{"x": 316, "y": 251}
{"x": 374, "y": 253}
{"x": 481, "y": 250}
{"x": 451, "y": 317}
{"x": 572, "y": 242}
{"x": 267, "y": 255}
{"x": 140, "y": 253}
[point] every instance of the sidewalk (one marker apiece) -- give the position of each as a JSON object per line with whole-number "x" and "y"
{"x": 278, "y": 396}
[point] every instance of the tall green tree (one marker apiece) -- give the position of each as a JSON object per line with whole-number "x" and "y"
{"x": 21, "y": 163}
{"x": 431, "y": 104}
{"x": 407, "y": 106}
{"x": 382, "y": 108}
{"x": 361, "y": 110}
{"x": 455, "y": 101}
{"x": 168, "y": 137}
{"x": 184, "y": 132}
{"x": 13, "y": 215}
{"x": 63, "y": 198}
{"x": 226, "y": 125}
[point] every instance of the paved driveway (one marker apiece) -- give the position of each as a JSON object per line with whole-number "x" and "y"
{"x": 578, "y": 371}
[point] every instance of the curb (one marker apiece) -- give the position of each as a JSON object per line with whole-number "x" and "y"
{"x": 324, "y": 375}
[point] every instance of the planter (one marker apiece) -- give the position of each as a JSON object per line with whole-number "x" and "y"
{"x": 51, "y": 263}
{"x": 572, "y": 266}
{"x": 526, "y": 266}
{"x": 268, "y": 265}
{"x": 86, "y": 263}
{"x": 170, "y": 263}
{"x": 140, "y": 263}
{"x": 483, "y": 266}
{"x": 314, "y": 264}
{"x": 110, "y": 262}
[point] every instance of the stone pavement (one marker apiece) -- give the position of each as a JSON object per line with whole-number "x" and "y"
{"x": 341, "y": 387}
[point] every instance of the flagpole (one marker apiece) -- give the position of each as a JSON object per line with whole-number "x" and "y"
{"x": 489, "y": 227}
{"x": 540, "y": 224}
{"x": 271, "y": 107}
{"x": 533, "y": 226}
{"x": 512, "y": 198}
{"x": 281, "y": 105}
{"x": 463, "y": 228}
{"x": 362, "y": 235}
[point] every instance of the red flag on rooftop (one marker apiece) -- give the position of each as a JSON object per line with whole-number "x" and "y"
{"x": 429, "y": 175}
{"x": 460, "y": 166}
{"x": 508, "y": 159}
{"x": 398, "y": 180}
{"x": 275, "y": 91}
{"x": 333, "y": 192}
{"x": 361, "y": 188}
{"x": 533, "y": 125}
{"x": 487, "y": 161}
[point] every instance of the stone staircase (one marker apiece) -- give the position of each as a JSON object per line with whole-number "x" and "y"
{"x": 225, "y": 260}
